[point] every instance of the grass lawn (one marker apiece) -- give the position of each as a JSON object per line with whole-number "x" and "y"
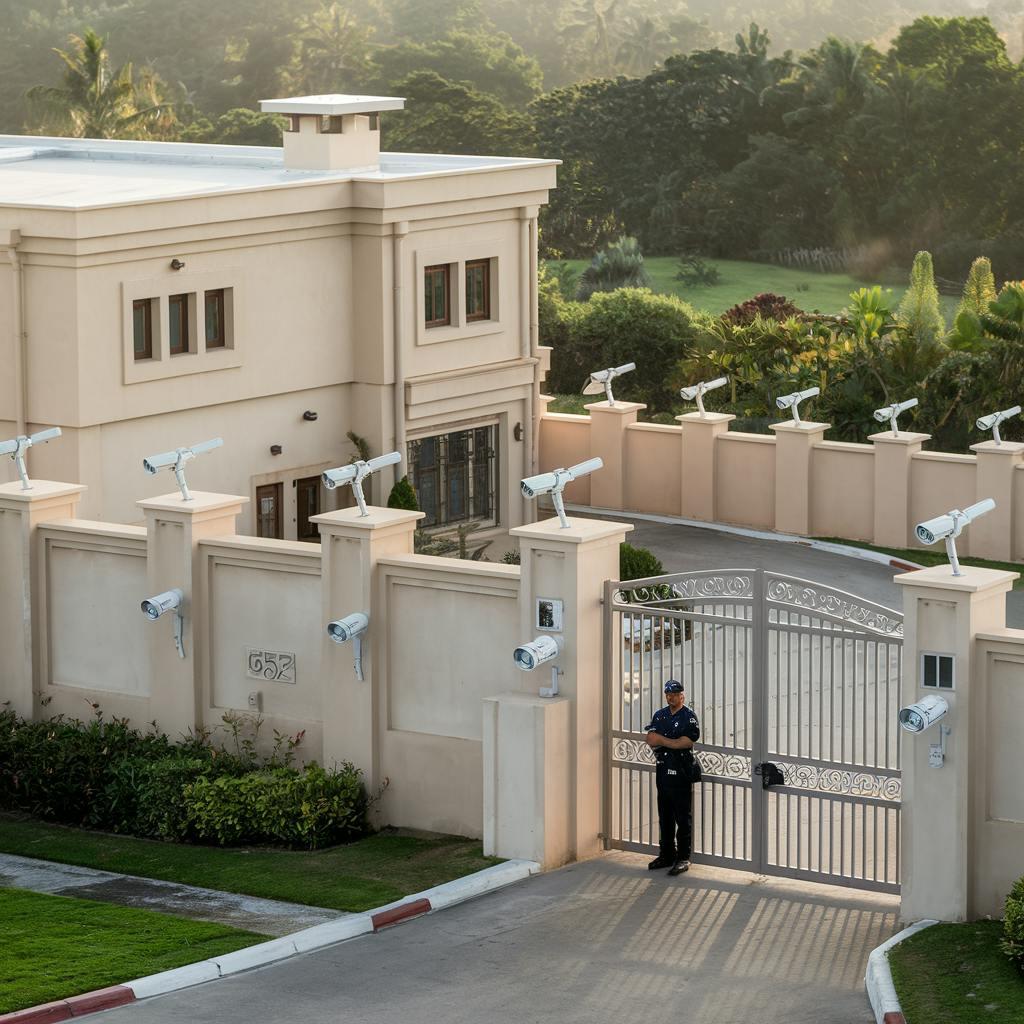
{"x": 57, "y": 946}
{"x": 740, "y": 280}
{"x": 933, "y": 556}
{"x": 956, "y": 974}
{"x": 357, "y": 877}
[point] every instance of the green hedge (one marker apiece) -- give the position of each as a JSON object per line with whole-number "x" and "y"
{"x": 1013, "y": 924}
{"x": 106, "y": 775}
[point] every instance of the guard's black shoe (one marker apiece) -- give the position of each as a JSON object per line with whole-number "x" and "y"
{"x": 679, "y": 867}
{"x": 659, "y": 862}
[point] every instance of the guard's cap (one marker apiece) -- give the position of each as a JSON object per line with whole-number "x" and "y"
{"x": 673, "y": 686}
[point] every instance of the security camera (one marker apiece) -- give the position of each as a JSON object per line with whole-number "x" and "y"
{"x": 18, "y": 446}
{"x": 356, "y": 472}
{"x": 924, "y": 714}
{"x": 992, "y": 421}
{"x": 696, "y": 392}
{"x": 351, "y": 627}
{"x": 793, "y": 402}
{"x": 601, "y": 380}
{"x": 890, "y": 412}
{"x": 176, "y": 460}
{"x": 168, "y": 601}
{"x": 950, "y": 526}
{"x": 535, "y": 653}
{"x": 554, "y": 483}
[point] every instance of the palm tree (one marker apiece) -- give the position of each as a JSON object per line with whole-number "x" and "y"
{"x": 96, "y": 103}
{"x": 332, "y": 52}
{"x": 590, "y": 30}
{"x": 646, "y": 45}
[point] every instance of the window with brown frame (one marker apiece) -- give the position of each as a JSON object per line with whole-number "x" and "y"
{"x": 216, "y": 322}
{"x": 177, "y": 325}
{"x": 436, "y": 291}
{"x": 478, "y": 290}
{"x": 142, "y": 328}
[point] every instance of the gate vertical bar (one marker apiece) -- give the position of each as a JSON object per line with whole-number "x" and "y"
{"x": 758, "y": 719}
{"x": 608, "y": 659}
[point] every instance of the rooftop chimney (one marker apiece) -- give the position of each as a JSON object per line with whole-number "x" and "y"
{"x": 332, "y": 133}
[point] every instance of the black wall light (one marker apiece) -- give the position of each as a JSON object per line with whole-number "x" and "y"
{"x": 276, "y": 449}
{"x": 309, "y": 415}
{"x": 177, "y": 264}
{"x": 517, "y": 431}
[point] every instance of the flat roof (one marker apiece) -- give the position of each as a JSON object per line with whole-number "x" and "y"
{"x": 333, "y": 103}
{"x": 79, "y": 174}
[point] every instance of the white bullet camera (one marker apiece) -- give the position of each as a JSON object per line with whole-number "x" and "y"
{"x": 355, "y": 473}
{"x": 793, "y": 402}
{"x": 176, "y": 460}
{"x": 18, "y": 446}
{"x": 168, "y": 601}
{"x": 992, "y": 421}
{"x": 351, "y": 627}
{"x": 890, "y": 412}
{"x": 554, "y": 483}
{"x": 924, "y": 714}
{"x": 696, "y": 392}
{"x": 602, "y": 380}
{"x": 950, "y": 526}
{"x": 532, "y": 655}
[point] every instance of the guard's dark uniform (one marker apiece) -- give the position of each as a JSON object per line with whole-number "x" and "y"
{"x": 675, "y": 793}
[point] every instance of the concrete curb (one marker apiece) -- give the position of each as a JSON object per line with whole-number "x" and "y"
{"x": 878, "y": 978}
{"x": 741, "y": 531}
{"x": 264, "y": 953}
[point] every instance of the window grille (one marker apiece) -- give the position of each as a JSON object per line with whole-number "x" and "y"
{"x": 455, "y": 476}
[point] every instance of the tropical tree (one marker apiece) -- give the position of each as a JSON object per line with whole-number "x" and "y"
{"x": 621, "y": 265}
{"x": 95, "y": 102}
{"x": 332, "y": 52}
{"x": 919, "y": 310}
{"x": 646, "y": 44}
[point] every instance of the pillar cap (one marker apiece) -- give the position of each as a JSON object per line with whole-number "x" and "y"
{"x": 973, "y": 579}
{"x": 709, "y": 417}
{"x": 991, "y": 448}
{"x": 202, "y": 502}
{"x": 621, "y": 408}
{"x": 904, "y": 437}
{"x": 376, "y": 518}
{"x": 800, "y": 428}
{"x": 40, "y": 491}
{"x": 581, "y": 531}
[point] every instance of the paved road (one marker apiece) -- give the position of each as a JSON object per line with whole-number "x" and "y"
{"x": 604, "y": 941}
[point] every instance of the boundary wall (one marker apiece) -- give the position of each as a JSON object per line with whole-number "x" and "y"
{"x": 793, "y": 481}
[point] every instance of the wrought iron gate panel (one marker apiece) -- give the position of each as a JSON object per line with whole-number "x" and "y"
{"x": 780, "y": 670}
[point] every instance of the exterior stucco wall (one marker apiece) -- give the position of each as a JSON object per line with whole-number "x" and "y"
{"x": 745, "y": 476}
{"x": 565, "y": 441}
{"x": 939, "y": 482}
{"x": 653, "y": 468}
{"x": 843, "y": 490}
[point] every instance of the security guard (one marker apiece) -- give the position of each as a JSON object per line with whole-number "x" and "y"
{"x": 671, "y": 735}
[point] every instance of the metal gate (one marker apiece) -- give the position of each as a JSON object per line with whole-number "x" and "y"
{"x": 784, "y": 674}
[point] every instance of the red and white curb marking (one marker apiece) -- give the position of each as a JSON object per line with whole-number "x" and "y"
{"x": 878, "y": 978}
{"x": 264, "y": 953}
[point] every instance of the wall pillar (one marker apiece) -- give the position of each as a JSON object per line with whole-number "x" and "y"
{"x": 608, "y": 425}
{"x": 992, "y": 535}
{"x": 570, "y": 566}
{"x": 893, "y": 461}
{"x": 350, "y": 547}
{"x": 21, "y": 512}
{"x": 174, "y": 529}
{"x": 943, "y": 614}
{"x": 794, "y": 448}
{"x": 699, "y": 455}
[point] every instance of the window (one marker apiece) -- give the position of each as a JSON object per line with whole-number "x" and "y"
{"x": 454, "y": 476}
{"x": 478, "y": 290}
{"x": 142, "y": 328}
{"x": 216, "y": 324}
{"x": 436, "y": 289}
{"x": 269, "y": 517}
{"x": 307, "y": 505}
{"x": 178, "y": 333}
{"x": 937, "y": 671}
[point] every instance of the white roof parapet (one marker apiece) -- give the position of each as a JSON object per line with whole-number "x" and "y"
{"x": 332, "y": 105}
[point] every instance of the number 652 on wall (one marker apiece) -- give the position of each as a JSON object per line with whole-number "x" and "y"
{"x": 277, "y": 666}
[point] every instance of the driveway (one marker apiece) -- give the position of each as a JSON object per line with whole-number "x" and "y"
{"x": 601, "y": 942}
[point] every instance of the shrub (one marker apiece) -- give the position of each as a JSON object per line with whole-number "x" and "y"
{"x": 511, "y": 558}
{"x": 620, "y": 265}
{"x": 766, "y": 305}
{"x": 637, "y": 563}
{"x": 1013, "y": 924}
{"x": 403, "y": 496}
{"x": 310, "y": 809}
{"x": 694, "y": 271}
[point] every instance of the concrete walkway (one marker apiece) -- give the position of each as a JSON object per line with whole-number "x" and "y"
{"x": 597, "y": 943}
{"x": 266, "y": 917}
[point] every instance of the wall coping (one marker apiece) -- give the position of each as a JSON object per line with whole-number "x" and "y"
{"x": 40, "y": 490}
{"x": 566, "y": 417}
{"x": 965, "y": 460}
{"x": 739, "y": 435}
{"x": 1005, "y": 635}
{"x": 202, "y": 501}
{"x": 303, "y": 549}
{"x": 655, "y": 428}
{"x": 846, "y": 446}
{"x": 119, "y": 531}
{"x": 435, "y": 563}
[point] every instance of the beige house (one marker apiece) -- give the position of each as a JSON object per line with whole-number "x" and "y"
{"x": 153, "y": 295}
